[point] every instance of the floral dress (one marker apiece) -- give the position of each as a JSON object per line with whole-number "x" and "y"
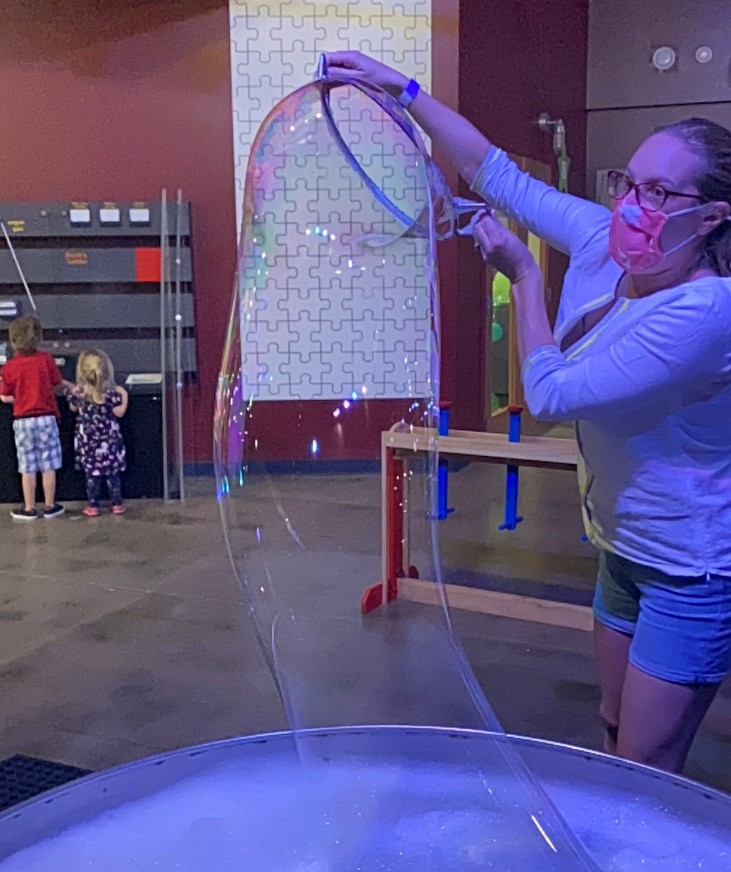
{"x": 98, "y": 442}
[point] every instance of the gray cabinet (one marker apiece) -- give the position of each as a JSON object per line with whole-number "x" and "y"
{"x": 623, "y": 36}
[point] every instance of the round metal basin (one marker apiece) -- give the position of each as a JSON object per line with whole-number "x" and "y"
{"x": 249, "y": 804}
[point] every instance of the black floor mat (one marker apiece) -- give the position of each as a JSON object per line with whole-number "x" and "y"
{"x": 23, "y": 778}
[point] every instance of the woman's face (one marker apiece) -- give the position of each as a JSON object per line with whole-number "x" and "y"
{"x": 666, "y": 161}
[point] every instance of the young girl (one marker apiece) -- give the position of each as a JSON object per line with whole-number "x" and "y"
{"x": 99, "y": 445}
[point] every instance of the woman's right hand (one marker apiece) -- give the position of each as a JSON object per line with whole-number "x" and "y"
{"x": 503, "y": 250}
{"x": 355, "y": 65}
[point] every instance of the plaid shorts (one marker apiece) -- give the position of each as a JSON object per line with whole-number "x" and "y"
{"x": 37, "y": 444}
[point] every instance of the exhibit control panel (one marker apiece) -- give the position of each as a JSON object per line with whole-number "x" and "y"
{"x": 94, "y": 271}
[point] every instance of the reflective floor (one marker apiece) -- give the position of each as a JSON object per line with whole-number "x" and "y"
{"x": 122, "y": 637}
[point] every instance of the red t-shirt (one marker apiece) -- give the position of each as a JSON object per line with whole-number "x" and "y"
{"x": 29, "y": 379}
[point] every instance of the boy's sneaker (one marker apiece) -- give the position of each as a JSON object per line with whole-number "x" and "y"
{"x": 24, "y": 514}
{"x": 53, "y": 511}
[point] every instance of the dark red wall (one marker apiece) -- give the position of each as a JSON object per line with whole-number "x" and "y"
{"x": 116, "y": 100}
{"x": 517, "y": 59}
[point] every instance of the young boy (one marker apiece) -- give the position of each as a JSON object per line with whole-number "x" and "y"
{"x": 28, "y": 382}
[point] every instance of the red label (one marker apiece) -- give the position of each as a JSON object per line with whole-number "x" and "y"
{"x": 148, "y": 264}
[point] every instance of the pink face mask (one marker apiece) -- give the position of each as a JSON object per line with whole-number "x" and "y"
{"x": 634, "y": 236}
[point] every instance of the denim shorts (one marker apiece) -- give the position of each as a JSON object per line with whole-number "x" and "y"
{"x": 37, "y": 444}
{"x": 680, "y": 626}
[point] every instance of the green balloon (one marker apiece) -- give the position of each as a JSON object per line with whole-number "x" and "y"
{"x": 497, "y": 332}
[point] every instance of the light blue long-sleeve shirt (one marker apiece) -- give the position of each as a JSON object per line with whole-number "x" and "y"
{"x": 649, "y": 388}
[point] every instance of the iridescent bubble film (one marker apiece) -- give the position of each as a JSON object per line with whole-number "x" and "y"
{"x": 333, "y": 346}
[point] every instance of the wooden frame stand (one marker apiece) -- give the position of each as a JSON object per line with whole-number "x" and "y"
{"x": 401, "y": 579}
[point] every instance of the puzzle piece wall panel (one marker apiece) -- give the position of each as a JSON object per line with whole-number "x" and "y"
{"x": 275, "y": 47}
{"x": 329, "y": 315}
{"x": 335, "y": 278}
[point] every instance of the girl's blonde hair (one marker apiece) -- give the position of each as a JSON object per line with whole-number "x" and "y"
{"x": 94, "y": 375}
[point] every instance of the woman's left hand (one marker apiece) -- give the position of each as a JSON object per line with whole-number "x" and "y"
{"x": 502, "y": 249}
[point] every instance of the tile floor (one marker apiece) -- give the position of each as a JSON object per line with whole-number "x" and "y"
{"x": 123, "y": 637}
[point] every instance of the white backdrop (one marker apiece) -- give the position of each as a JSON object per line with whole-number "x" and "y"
{"x": 275, "y": 47}
{"x": 274, "y": 50}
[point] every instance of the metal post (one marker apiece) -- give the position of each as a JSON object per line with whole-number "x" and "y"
{"x": 164, "y": 264}
{"x": 179, "y": 346}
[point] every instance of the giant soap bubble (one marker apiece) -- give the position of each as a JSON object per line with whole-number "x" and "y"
{"x": 334, "y": 340}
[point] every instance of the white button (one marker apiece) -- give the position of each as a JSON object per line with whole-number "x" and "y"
{"x": 704, "y": 54}
{"x": 109, "y": 216}
{"x": 80, "y": 216}
{"x": 139, "y": 216}
{"x": 664, "y": 58}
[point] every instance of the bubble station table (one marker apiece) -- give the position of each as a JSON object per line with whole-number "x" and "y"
{"x": 630, "y": 816}
{"x": 342, "y": 212}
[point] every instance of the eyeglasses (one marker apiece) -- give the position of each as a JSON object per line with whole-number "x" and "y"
{"x": 650, "y": 195}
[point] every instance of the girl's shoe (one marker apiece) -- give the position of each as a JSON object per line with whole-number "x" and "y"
{"x": 119, "y": 509}
{"x": 91, "y": 512}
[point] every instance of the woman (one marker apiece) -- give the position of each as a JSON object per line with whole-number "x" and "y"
{"x": 640, "y": 359}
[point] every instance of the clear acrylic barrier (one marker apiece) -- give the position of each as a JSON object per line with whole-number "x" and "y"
{"x": 333, "y": 340}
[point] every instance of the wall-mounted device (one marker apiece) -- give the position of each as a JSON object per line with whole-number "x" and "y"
{"x": 92, "y": 273}
{"x": 556, "y": 126}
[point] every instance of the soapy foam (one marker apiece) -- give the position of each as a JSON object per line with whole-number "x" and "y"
{"x": 279, "y": 818}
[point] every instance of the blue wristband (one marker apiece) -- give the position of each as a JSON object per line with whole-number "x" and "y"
{"x": 409, "y": 93}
